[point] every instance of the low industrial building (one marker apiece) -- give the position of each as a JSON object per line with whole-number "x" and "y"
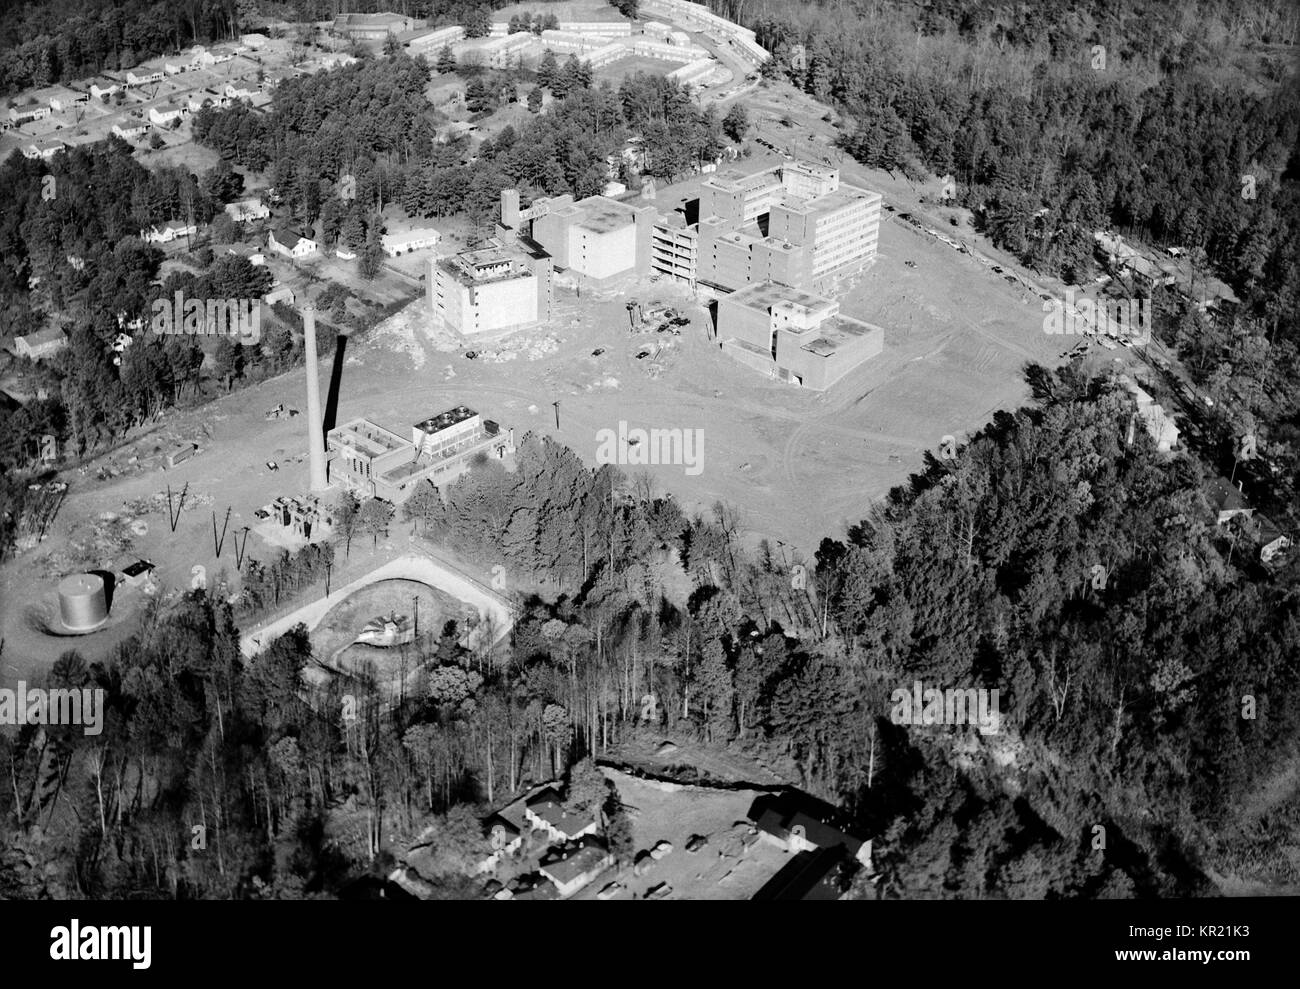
{"x": 379, "y": 463}
{"x": 405, "y": 241}
{"x": 493, "y": 289}
{"x": 794, "y": 336}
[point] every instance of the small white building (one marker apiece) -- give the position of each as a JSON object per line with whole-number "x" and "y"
{"x": 104, "y": 87}
{"x": 130, "y": 129}
{"x": 43, "y": 150}
{"x": 283, "y": 293}
{"x": 168, "y": 232}
{"x": 239, "y": 91}
{"x": 19, "y": 115}
{"x": 41, "y": 344}
{"x": 247, "y": 209}
{"x": 404, "y": 242}
{"x": 164, "y": 116}
{"x": 143, "y": 77}
{"x": 291, "y": 243}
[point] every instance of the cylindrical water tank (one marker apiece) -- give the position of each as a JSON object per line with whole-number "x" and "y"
{"x": 83, "y": 603}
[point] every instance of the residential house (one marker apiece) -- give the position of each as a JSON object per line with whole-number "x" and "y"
{"x": 1226, "y": 501}
{"x": 101, "y": 88}
{"x": 142, "y": 76}
{"x": 545, "y": 811}
{"x": 281, "y": 294}
{"x": 503, "y": 837}
{"x": 247, "y": 209}
{"x": 1272, "y": 541}
{"x": 43, "y": 150}
{"x": 240, "y": 90}
{"x": 41, "y": 344}
{"x": 19, "y": 115}
{"x": 797, "y": 822}
{"x": 129, "y": 128}
{"x": 163, "y": 116}
{"x": 168, "y": 232}
{"x": 575, "y": 864}
{"x": 292, "y": 243}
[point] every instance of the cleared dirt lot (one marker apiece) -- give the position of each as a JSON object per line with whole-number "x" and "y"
{"x": 798, "y": 465}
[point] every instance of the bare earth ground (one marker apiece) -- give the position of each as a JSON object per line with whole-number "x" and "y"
{"x": 797, "y": 464}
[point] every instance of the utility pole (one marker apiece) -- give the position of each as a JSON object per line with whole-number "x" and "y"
{"x": 557, "y": 415}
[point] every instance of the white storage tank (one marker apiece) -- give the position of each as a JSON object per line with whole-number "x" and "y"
{"x": 83, "y": 601}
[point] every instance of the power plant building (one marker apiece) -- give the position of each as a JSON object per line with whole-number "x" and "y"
{"x": 377, "y": 462}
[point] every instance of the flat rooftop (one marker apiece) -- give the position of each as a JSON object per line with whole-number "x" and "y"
{"x": 444, "y": 420}
{"x": 836, "y": 334}
{"x": 604, "y": 215}
{"x": 765, "y": 295}
{"x": 831, "y": 201}
{"x": 734, "y": 180}
{"x": 366, "y": 437}
{"x": 483, "y": 266}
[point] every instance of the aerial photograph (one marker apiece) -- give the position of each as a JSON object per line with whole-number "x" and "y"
{"x": 459, "y": 450}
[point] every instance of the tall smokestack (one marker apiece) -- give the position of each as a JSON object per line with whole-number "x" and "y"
{"x": 315, "y": 419}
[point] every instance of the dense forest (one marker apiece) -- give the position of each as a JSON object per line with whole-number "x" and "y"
{"x": 1147, "y": 705}
{"x": 1061, "y": 120}
{"x": 370, "y": 121}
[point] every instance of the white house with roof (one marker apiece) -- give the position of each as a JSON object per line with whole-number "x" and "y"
{"x": 168, "y": 232}
{"x": 43, "y": 150}
{"x": 19, "y": 115}
{"x": 247, "y": 209}
{"x": 239, "y": 90}
{"x": 291, "y": 242}
{"x": 405, "y": 241}
{"x": 41, "y": 344}
{"x": 100, "y": 88}
{"x": 129, "y": 128}
{"x": 164, "y": 116}
{"x": 141, "y": 76}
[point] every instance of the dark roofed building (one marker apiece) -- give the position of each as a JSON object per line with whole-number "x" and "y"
{"x": 1225, "y": 500}
{"x": 576, "y": 864}
{"x": 814, "y": 875}
{"x": 798, "y": 822}
{"x": 545, "y": 810}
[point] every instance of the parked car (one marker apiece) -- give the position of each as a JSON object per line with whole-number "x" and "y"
{"x": 610, "y": 891}
{"x": 696, "y": 842}
{"x": 661, "y": 850}
{"x": 659, "y": 892}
